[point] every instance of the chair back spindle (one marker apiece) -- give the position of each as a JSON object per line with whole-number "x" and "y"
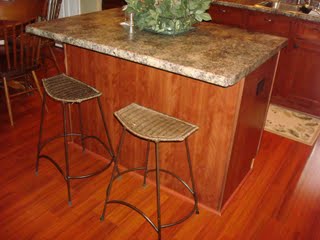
{"x": 21, "y": 49}
{"x": 51, "y": 10}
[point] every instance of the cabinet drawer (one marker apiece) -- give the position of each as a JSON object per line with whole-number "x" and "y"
{"x": 269, "y": 23}
{"x": 228, "y": 15}
{"x": 308, "y": 30}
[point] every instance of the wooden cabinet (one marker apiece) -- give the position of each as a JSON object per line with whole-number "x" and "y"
{"x": 106, "y": 4}
{"x": 301, "y": 89}
{"x": 304, "y": 89}
{"x": 282, "y": 84}
{"x": 306, "y": 65}
{"x": 307, "y": 30}
{"x": 252, "y": 115}
{"x": 297, "y": 82}
{"x": 269, "y": 23}
{"x": 228, "y": 16}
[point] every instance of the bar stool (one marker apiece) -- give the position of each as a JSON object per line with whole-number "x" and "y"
{"x": 67, "y": 90}
{"x": 154, "y": 127}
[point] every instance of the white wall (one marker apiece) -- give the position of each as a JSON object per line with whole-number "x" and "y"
{"x": 87, "y": 6}
{"x": 70, "y": 8}
{"x": 76, "y": 7}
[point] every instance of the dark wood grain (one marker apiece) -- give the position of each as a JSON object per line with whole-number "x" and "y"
{"x": 252, "y": 115}
{"x": 106, "y": 4}
{"x": 229, "y": 16}
{"x": 269, "y": 23}
{"x": 21, "y": 9}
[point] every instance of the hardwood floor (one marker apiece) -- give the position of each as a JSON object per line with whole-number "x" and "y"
{"x": 279, "y": 199}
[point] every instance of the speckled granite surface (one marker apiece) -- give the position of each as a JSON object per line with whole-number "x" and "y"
{"x": 212, "y": 53}
{"x": 249, "y": 4}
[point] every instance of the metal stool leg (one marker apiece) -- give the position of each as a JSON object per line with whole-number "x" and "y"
{"x": 111, "y": 152}
{"x": 192, "y": 178}
{"x": 158, "y": 190}
{"x": 113, "y": 175}
{"x": 40, "y": 130}
{"x": 81, "y": 127}
{"x": 66, "y": 151}
{"x": 146, "y": 165}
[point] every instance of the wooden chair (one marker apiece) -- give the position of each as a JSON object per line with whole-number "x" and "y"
{"x": 20, "y": 60}
{"x": 50, "y": 12}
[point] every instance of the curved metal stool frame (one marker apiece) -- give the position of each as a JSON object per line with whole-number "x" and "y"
{"x": 116, "y": 174}
{"x": 42, "y": 144}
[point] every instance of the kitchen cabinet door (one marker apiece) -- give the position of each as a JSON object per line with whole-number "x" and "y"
{"x": 269, "y": 23}
{"x": 228, "y": 15}
{"x": 281, "y": 85}
{"x": 304, "y": 87}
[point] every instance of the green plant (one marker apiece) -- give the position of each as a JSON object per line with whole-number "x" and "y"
{"x": 164, "y": 15}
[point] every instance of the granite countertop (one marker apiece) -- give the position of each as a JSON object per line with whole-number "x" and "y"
{"x": 211, "y": 53}
{"x": 250, "y": 5}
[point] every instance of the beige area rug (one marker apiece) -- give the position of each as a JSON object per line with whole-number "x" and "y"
{"x": 297, "y": 126}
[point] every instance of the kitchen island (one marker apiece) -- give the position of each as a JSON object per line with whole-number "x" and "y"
{"x": 217, "y": 77}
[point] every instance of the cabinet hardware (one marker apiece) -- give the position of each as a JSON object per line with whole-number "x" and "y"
{"x": 295, "y": 45}
{"x": 223, "y": 10}
{"x": 268, "y": 19}
{"x": 315, "y": 30}
{"x": 252, "y": 163}
{"x": 260, "y": 86}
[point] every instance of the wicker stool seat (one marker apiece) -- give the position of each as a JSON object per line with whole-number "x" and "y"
{"x": 154, "y": 127}
{"x": 69, "y": 91}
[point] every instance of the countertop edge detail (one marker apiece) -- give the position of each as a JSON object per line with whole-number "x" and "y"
{"x": 143, "y": 59}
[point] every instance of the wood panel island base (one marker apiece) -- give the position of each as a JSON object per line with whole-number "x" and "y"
{"x": 216, "y": 77}
{"x": 230, "y": 119}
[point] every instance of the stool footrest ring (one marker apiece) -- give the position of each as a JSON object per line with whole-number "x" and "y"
{"x": 78, "y": 176}
{"x": 194, "y": 209}
{"x": 148, "y": 219}
{"x": 161, "y": 170}
{"x": 174, "y": 175}
{"x": 135, "y": 209}
{"x": 91, "y": 174}
{"x": 83, "y": 137}
{"x": 45, "y": 142}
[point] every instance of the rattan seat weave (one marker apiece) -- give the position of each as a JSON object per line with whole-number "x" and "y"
{"x": 67, "y": 89}
{"x": 152, "y": 125}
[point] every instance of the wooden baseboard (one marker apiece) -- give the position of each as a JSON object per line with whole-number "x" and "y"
{"x": 301, "y": 105}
